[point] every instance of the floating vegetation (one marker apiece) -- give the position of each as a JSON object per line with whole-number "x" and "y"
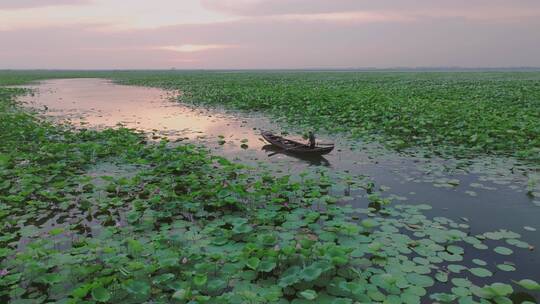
{"x": 184, "y": 226}
{"x": 435, "y": 110}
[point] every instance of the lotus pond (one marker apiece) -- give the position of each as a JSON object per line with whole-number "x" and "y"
{"x": 120, "y": 194}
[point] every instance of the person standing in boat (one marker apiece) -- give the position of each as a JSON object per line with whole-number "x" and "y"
{"x": 312, "y": 141}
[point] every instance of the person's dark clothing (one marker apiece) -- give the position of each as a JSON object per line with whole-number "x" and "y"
{"x": 311, "y": 140}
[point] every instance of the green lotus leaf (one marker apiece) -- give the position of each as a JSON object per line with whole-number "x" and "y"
{"x": 518, "y": 243}
{"x": 312, "y": 272}
{"x": 441, "y": 276}
{"x": 369, "y": 223}
{"x": 181, "y": 294}
{"x": 376, "y": 295}
{"x": 497, "y": 290}
{"x": 253, "y": 263}
{"x": 51, "y": 278}
{"x": 216, "y": 284}
{"x": 529, "y": 284}
{"x": 101, "y": 294}
{"x": 443, "y": 297}
{"x": 455, "y": 268}
{"x": 479, "y": 262}
{"x": 480, "y": 272}
{"x": 290, "y": 276}
{"x": 268, "y": 240}
{"x": 455, "y": 249}
{"x": 461, "y": 291}
{"x": 309, "y": 294}
{"x": 503, "y": 300}
{"x": 420, "y": 280}
{"x": 242, "y": 228}
{"x": 200, "y": 279}
{"x": 506, "y": 267}
{"x": 267, "y": 265}
{"x": 163, "y": 278}
{"x": 140, "y": 288}
{"x": 503, "y": 250}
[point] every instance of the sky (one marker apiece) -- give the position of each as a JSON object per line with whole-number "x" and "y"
{"x": 268, "y": 34}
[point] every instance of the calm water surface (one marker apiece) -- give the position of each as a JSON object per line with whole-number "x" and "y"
{"x": 487, "y": 193}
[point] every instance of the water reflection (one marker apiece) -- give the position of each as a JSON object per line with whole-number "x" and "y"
{"x": 312, "y": 160}
{"x": 100, "y": 103}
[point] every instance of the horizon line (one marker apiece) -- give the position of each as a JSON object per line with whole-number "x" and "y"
{"x": 441, "y": 68}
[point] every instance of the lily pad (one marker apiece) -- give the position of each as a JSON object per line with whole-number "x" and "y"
{"x": 309, "y": 294}
{"x": 503, "y": 250}
{"x": 481, "y": 272}
{"x": 101, "y": 294}
{"x": 506, "y": 267}
{"x": 529, "y": 284}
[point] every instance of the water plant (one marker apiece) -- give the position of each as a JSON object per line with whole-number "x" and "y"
{"x": 450, "y": 113}
{"x": 176, "y": 224}
{"x": 455, "y": 113}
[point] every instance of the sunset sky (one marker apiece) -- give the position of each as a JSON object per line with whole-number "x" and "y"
{"x": 245, "y": 34}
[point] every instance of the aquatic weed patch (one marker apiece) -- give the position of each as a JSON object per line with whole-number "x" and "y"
{"x": 192, "y": 227}
{"x": 455, "y": 113}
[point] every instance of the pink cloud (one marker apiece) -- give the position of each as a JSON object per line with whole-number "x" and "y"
{"x": 286, "y": 7}
{"x": 354, "y": 16}
{"x": 278, "y": 43}
{"x": 22, "y": 4}
{"x": 278, "y": 34}
{"x": 191, "y": 48}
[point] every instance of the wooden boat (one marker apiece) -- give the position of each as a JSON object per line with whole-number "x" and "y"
{"x": 311, "y": 159}
{"x": 294, "y": 146}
